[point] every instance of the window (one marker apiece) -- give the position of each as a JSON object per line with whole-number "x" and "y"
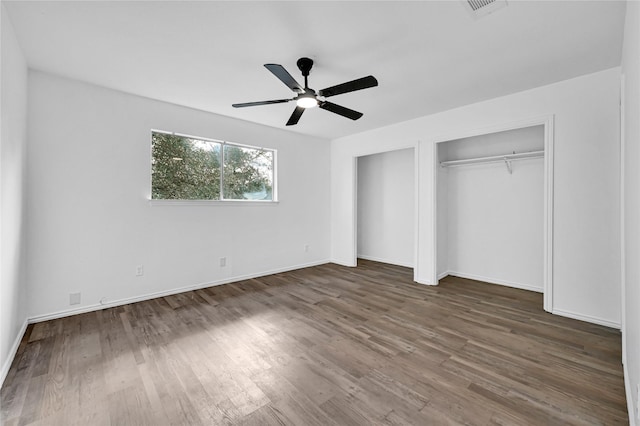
{"x": 188, "y": 168}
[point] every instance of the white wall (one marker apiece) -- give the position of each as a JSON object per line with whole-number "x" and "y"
{"x": 631, "y": 202}
{"x": 386, "y": 207}
{"x": 90, "y": 222}
{"x": 586, "y": 245}
{"x": 13, "y": 140}
{"x": 495, "y": 219}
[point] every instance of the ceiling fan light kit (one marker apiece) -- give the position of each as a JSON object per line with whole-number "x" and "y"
{"x": 309, "y": 98}
{"x": 307, "y": 101}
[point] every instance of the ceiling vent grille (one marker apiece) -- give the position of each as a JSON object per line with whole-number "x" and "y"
{"x": 480, "y": 8}
{"x": 477, "y": 4}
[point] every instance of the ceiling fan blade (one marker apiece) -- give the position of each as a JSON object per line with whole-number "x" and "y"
{"x": 248, "y": 104}
{"x": 340, "y": 110}
{"x": 350, "y": 86}
{"x": 284, "y": 76}
{"x": 297, "y": 113}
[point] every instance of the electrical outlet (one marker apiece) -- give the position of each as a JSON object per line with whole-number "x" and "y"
{"x": 74, "y": 298}
{"x": 223, "y": 262}
{"x": 306, "y": 247}
{"x": 139, "y": 270}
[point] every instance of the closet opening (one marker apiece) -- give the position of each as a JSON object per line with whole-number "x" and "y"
{"x": 385, "y": 207}
{"x": 493, "y": 208}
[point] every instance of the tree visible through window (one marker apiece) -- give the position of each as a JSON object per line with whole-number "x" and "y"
{"x": 185, "y": 168}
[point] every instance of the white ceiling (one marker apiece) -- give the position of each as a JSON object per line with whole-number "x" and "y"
{"x": 427, "y": 56}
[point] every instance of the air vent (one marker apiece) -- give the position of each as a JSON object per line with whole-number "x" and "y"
{"x": 477, "y": 4}
{"x": 480, "y": 8}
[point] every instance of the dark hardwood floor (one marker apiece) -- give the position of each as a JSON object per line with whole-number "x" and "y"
{"x": 326, "y": 345}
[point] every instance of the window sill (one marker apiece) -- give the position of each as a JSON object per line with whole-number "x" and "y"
{"x": 217, "y": 203}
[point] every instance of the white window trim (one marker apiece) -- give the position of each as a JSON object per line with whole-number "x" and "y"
{"x": 217, "y": 203}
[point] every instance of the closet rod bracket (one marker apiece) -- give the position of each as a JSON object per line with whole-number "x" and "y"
{"x": 507, "y": 162}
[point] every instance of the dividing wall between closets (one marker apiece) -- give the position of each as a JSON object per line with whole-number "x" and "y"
{"x": 490, "y": 208}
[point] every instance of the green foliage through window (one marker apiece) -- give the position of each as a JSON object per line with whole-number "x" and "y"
{"x": 185, "y": 168}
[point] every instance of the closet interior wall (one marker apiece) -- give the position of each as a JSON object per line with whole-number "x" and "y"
{"x": 490, "y": 217}
{"x": 385, "y": 194}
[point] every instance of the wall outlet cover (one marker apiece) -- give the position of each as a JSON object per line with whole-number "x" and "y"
{"x": 74, "y": 298}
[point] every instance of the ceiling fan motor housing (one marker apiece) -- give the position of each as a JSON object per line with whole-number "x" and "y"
{"x": 304, "y": 65}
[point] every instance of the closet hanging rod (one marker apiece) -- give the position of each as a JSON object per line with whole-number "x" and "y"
{"x": 494, "y": 159}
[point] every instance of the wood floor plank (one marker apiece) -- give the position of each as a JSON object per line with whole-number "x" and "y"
{"x": 265, "y": 416}
{"x": 326, "y": 345}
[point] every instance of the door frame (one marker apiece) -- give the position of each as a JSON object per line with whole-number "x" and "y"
{"x": 548, "y": 123}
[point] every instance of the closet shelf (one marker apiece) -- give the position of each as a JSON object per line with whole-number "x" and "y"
{"x": 507, "y": 159}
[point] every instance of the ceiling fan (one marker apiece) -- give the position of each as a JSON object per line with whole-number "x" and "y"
{"x": 309, "y": 98}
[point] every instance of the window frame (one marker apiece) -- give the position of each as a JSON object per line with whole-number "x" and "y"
{"x": 221, "y": 200}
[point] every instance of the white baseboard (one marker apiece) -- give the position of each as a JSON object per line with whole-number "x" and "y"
{"x": 12, "y": 352}
{"x": 560, "y": 312}
{"x": 442, "y": 275}
{"x": 586, "y": 318}
{"x": 629, "y": 393}
{"x": 345, "y": 264}
{"x": 494, "y": 281}
{"x": 382, "y": 260}
{"x": 96, "y": 307}
{"x": 149, "y": 296}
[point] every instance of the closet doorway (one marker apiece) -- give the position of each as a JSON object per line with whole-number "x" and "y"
{"x": 385, "y": 207}
{"x": 493, "y": 208}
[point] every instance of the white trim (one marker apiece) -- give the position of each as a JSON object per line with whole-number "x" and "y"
{"x": 416, "y": 209}
{"x": 206, "y": 139}
{"x": 549, "y": 124}
{"x": 354, "y": 207}
{"x": 623, "y": 257}
{"x": 274, "y": 177}
{"x": 149, "y": 296}
{"x": 629, "y": 394}
{"x": 354, "y": 214}
{"x": 434, "y": 213}
{"x": 217, "y": 203}
{"x": 442, "y": 275}
{"x": 382, "y": 260}
{"x": 12, "y": 352}
{"x": 497, "y": 281}
{"x": 495, "y": 128}
{"x": 587, "y": 318}
{"x": 338, "y": 262}
{"x": 423, "y": 282}
{"x": 353, "y": 250}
